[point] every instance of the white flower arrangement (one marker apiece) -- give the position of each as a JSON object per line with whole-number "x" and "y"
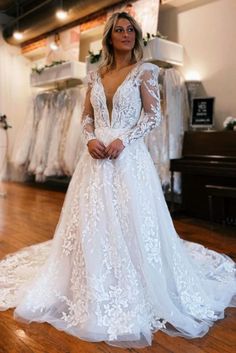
{"x": 230, "y": 123}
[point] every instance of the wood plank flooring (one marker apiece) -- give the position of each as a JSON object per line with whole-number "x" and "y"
{"x": 28, "y": 215}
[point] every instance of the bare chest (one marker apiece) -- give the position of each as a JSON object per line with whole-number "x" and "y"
{"x": 111, "y": 83}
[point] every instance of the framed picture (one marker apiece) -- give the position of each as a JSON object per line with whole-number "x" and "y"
{"x": 202, "y": 112}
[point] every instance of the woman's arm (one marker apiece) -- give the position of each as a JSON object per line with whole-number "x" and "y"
{"x": 88, "y": 117}
{"x": 95, "y": 147}
{"x": 150, "y": 96}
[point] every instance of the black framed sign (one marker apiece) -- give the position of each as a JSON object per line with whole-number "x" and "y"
{"x": 202, "y": 111}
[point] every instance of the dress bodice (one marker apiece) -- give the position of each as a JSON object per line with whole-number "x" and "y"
{"x": 126, "y": 102}
{"x": 138, "y": 90}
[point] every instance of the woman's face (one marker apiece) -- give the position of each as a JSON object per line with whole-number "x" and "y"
{"x": 123, "y": 35}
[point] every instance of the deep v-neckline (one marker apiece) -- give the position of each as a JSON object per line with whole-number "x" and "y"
{"x": 109, "y": 116}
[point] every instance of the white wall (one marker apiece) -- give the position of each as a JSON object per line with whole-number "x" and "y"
{"x": 14, "y": 91}
{"x": 207, "y": 30}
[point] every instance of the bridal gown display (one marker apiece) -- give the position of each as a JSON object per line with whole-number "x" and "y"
{"x": 116, "y": 270}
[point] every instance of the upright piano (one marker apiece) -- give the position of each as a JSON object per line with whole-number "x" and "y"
{"x": 208, "y": 158}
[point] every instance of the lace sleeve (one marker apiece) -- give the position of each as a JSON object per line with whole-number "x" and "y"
{"x": 87, "y": 115}
{"x": 149, "y": 90}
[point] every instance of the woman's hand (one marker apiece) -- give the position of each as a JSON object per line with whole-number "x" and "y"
{"x": 114, "y": 149}
{"x": 96, "y": 149}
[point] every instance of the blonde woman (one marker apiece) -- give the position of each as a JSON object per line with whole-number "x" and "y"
{"x": 116, "y": 270}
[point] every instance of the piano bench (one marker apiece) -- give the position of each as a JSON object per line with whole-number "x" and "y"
{"x": 224, "y": 192}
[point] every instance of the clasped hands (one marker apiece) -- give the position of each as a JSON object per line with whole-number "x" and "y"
{"x": 99, "y": 151}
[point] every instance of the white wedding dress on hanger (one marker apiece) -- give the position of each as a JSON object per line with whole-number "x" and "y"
{"x": 116, "y": 270}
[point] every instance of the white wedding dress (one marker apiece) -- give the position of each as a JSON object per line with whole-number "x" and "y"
{"x": 116, "y": 270}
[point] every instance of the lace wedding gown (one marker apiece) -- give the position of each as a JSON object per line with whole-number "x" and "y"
{"x": 116, "y": 270}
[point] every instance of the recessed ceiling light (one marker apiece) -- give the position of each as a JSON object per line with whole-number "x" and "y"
{"x": 61, "y": 15}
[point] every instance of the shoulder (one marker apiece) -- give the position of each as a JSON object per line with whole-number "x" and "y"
{"x": 146, "y": 67}
{"x": 91, "y": 77}
{"x": 148, "y": 73}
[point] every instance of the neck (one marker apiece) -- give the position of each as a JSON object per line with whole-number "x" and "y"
{"x": 122, "y": 60}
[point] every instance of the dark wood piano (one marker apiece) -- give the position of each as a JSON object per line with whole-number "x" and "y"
{"x": 208, "y": 158}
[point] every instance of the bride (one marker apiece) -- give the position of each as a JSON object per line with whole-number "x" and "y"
{"x": 116, "y": 270}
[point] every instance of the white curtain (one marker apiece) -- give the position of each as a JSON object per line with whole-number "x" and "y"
{"x": 14, "y": 95}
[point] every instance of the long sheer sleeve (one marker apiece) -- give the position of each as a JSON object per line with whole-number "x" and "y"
{"x": 88, "y": 115}
{"x": 150, "y": 96}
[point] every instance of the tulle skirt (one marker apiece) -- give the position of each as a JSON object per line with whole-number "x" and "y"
{"x": 116, "y": 270}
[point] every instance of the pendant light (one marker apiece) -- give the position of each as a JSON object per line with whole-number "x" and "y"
{"x": 17, "y": 34}
{"x": 61, "y": 14}
{"x": 56, "y": 43}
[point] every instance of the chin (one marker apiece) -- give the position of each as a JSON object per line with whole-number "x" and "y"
{"x": 126, "y": 47}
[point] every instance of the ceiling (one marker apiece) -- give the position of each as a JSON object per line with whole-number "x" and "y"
{"x": 8, "y": 8}
{"x": 37, "y": 17}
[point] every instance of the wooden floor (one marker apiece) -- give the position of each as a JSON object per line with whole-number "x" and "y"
{"x": 29, "y": 215}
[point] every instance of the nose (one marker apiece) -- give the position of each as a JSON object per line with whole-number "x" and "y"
{"x": 126, "y": 33}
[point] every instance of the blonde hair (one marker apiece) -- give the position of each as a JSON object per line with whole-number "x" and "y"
{"x": 107, "y": 48}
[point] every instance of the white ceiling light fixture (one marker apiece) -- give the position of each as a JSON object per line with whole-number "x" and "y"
{"x": 18, "y": 35}
{"x": 61, "y": 14}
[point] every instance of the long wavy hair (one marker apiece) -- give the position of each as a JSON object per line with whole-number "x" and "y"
{"x": 107, "y": 48}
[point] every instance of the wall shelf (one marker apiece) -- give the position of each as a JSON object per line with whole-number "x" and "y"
{"x": 71, "y": 71}
{"x": 167, "y": 4}
{"x": 163, "y": 50}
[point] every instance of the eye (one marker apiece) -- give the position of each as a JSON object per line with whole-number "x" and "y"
{"x": 118, "y": 30}
{"x": 130, "y": 29}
